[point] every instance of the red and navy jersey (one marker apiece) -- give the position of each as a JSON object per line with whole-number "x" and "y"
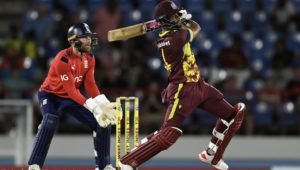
{"x": 177, "y": 55}
{"x": 68, "y": 72}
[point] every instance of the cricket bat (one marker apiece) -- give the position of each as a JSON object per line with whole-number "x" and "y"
{"x": 125, "y": 33}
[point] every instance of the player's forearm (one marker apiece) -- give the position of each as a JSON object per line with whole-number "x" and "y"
{"x": 194, "y": 26}
{"x": 73, "y": 93}
{"x": 92, "y": 89}
{"x": 76, "y": 96}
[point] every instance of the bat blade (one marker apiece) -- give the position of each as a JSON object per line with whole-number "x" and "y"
{"x": 132, "y": 31}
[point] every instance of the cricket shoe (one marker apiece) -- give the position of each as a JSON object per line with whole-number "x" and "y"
{"x": 204, "y": 157}
{"x": 107, "y": 167}
{"x": 126, "y": 167}
{"x": 34, "y": 167}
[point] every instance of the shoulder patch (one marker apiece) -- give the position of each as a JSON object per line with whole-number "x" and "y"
{"x": 64, "y": 59}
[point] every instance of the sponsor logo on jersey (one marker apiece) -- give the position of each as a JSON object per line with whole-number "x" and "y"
{"x": 164, "y": 43}
{"x": 64, "y": 77}
{"x": 77, "y": 79}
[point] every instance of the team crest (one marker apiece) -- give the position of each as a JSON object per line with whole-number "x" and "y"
{"x": 86, "y": 64}
{"x": 173, "y": 5}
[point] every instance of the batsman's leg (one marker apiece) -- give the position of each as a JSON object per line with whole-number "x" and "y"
{"x": 162, "y": 140}
{"x": 232, "y": 127}
{"x": 222, "y": 134}
{"x": 43, "y": 140}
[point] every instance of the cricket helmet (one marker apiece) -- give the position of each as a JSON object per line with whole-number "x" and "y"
{"x": 164, "y": 11}
{"x": 166, "y": 8}
{"x": 81, "y": 30}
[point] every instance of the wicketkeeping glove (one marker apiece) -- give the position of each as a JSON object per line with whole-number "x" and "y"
{"x": 109, "y": 108}
{"x": 98, "y": 113}
{"x": 103, "y": 120}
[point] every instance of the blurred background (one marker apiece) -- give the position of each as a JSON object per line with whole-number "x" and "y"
{"x": 249, "y": 49}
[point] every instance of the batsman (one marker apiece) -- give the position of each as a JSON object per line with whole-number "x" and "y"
{"x": 71, "y": 69}
{"x": 186, "y": 90}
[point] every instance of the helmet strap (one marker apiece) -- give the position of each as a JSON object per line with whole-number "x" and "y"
{"x": 78, "y": 44}
{"x": 94, "y": 42}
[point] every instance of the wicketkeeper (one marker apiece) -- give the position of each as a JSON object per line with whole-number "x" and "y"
{"x": 72, "y": 68}
{"x": 186, "y": 91}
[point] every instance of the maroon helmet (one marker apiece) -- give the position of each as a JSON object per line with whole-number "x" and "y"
{"x": 166, "y": 8}
{"x": 163, "y": 12}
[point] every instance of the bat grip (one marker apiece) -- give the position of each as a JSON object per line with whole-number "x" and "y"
{"x": 151, "y": 26}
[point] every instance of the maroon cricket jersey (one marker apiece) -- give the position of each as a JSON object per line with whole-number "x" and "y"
{"x": 177, "y": 55}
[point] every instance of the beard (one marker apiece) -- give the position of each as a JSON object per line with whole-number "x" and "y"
{"x": 85, "y": 48}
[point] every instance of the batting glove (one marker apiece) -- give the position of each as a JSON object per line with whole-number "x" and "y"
{"x": 184, "y": 15}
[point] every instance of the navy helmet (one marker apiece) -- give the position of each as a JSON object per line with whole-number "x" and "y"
{"x": 81, "y": 30}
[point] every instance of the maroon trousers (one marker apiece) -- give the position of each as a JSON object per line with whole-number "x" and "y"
{"x": 185, "y": 97}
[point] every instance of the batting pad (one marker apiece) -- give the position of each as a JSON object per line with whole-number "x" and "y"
{"x": 102, "y": 146}
{"x": 43, "y": 139}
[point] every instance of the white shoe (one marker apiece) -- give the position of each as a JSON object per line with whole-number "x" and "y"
{"x": 109, "y": 167}
{"x": 125, "y": 167}
{"x": 204, "y": 157}
{"x": 34, "y": 167}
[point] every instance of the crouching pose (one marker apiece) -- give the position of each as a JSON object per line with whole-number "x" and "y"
{"x": 70, "y": 69}
{"x": 186, "y": 91}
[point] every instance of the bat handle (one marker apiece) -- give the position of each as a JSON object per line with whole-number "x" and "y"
{"x": 151, "y": 26}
